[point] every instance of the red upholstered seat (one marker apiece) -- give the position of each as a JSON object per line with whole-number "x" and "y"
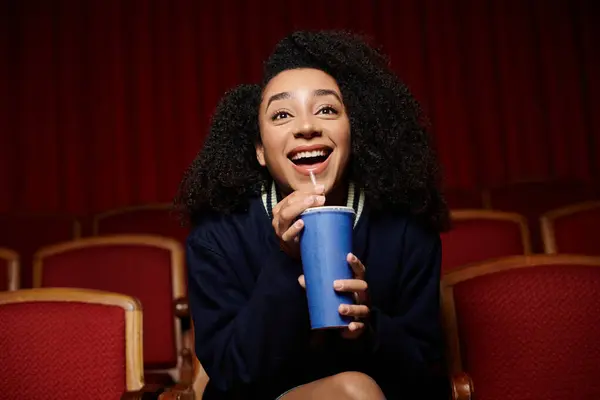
{"x": 532, "y": 199}
{"x": 69, "y": 344}
{"x": 149, "y": 268}
{"x": 151, "y": 219}
{"x": 574, "y": 229}
{"x": 479, "y": 235}
{"x": 526, "y": 327}
{"x": 9, "y": 270}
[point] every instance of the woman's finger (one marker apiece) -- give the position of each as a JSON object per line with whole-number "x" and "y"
{"x": 294, "y": 208}
{"x": 293, "y": 231}
{"x": 350, "y": 285}
{"x": 288, "y": 209}
{"x": 357, "y": 266}
{"x": 288, "y": 212}
{"x": 354, "y": 310}
{"x": 302, "y": 281}
{"x": 293, "y": 197}
{"x": 280, "y": 206}
{"x": 354, "y": 330}
{"x": 355, "y": 326}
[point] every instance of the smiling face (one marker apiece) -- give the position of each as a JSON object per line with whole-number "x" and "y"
{"x": 303, "y": 127}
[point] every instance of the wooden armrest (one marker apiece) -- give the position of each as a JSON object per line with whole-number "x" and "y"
{"x": 186, "y": 372}
{"x": 462, "y": 387}
{"x": 182, "y": 310}
{"x": 178, "y": 392}
{"x": 148, "y": 392}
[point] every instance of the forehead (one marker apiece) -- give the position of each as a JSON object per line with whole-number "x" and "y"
{"x": 300, "y": 79}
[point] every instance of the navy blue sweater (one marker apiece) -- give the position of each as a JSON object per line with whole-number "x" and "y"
{"x": 250, "y": 315}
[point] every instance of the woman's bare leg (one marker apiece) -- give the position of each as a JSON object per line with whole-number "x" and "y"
{"x": 343, "y": 386}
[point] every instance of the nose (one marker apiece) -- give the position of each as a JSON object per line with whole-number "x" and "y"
{"x": 307, "y": 130}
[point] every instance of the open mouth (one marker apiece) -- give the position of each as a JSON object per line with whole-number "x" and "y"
{"x": 307, "y": 158}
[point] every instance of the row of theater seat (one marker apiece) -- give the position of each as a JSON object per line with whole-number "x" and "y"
{"x": 479, "y": 235}
{"x": 71, "y": 344}
{"x": 521, "y": 327}
{"x": 476, "y": 234}
{"x": 524, "y": 327}
{"x": 28, "y": 233}
{"x": 151, "y": 268}
{"x": 147, "y": 267}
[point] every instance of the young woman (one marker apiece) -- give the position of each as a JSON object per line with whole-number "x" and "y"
{"x": 330, "y": 104}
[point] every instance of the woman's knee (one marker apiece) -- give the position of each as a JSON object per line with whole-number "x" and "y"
{"x": 357, "y": 386}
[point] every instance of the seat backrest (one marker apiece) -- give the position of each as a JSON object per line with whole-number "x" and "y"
{"x": 149, "y": 268}
{"x": 26, "y": 233}
{"x": 69, "y": 344}
{"x": 526, "y": 327}
{"x": 574, "y": 229}
{"x": 151, "y": 219}
{"x": 9, "y": 269}
{"x": 532, "y": 199}
{"x": 479, "y": 235}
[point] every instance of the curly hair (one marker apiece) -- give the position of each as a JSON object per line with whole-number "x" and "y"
{"x": 392, "y": 158}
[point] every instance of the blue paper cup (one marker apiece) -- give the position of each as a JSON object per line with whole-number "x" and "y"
{"x": 325, "y": 242}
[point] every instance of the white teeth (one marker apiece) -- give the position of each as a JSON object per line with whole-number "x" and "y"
{"x": 308, "y": 154}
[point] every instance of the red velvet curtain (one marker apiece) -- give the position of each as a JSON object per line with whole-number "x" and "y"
{"x": 105, "y": 102}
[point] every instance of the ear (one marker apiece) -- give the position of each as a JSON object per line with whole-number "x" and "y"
{"x": 260, "y": 154}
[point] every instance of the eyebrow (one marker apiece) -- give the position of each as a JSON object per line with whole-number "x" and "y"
{"x": 316, "y": 93}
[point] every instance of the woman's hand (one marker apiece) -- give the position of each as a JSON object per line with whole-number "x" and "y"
{"x": 285, "y": 213}
{"x": 359, "y": 287}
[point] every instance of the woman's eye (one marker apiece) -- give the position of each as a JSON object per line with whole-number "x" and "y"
{"x": 328, "y": 110}
{"x": 280, "y": 115}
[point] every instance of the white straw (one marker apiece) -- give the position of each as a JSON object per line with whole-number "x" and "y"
{"x": 312, "y": 177}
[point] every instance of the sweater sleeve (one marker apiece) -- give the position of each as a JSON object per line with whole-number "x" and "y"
{"x": 411, "y": 337}
{"x": 245, "y": 329}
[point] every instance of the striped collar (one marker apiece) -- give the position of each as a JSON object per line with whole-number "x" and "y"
{"x": 355, "y": 200}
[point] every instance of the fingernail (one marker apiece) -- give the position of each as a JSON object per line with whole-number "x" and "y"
{"x": 320, "y": 199}
{"x": 344, "y": 310}
{"x": 320, "y": 188}
{"x": 298, "y": 224}
{"x": 309, "y": 200}
{"x": 338, "y": 285}
{"x": 353, "y": 258}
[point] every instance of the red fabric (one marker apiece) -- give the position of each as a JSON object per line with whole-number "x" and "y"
{"x": 26, "y": 234}
{"x": 59, "y": 350}
{"x": 532, "y": 199}
{"x": 464, "y": 198}
{"x": 539, "y": 195}
{"x": 478, "y": 240}
{"x": 3, "y": 274}
{"x": 163, "y": 379}
{"x": 150, "y": 221}
{"x": 106, "y": 101}
{"x": 578, "y": 233}
{"x": 143, "y": 272}
{"x": 532, "y": 333}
